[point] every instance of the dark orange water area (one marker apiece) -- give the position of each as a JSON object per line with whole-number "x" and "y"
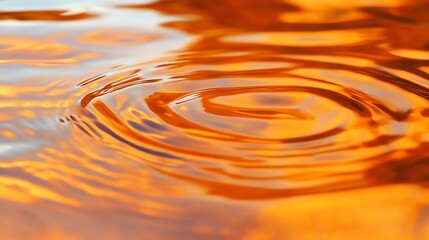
{"x": 226, "y": 119}
{"x": 42, "y": 15}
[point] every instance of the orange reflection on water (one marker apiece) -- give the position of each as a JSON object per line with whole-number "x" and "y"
{"x": 43, "y": 15}
{"x": 190, "y": 119}
{"x": 393, "y": 212}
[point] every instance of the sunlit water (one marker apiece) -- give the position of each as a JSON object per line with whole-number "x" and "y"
{"x": 224, "y": 119}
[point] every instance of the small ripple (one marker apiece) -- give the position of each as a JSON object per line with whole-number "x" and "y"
{"x": 47, "y": 15}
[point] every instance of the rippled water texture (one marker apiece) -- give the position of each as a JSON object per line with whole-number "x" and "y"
{"x": 224, "y": 119}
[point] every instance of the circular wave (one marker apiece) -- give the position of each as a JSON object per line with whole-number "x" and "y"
{"x": 259, "y": 137}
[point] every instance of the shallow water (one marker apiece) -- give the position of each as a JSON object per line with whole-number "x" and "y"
{"x": 226, "y": 119}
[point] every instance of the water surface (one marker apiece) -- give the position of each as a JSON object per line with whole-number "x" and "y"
{"x": 226, "y": 119}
